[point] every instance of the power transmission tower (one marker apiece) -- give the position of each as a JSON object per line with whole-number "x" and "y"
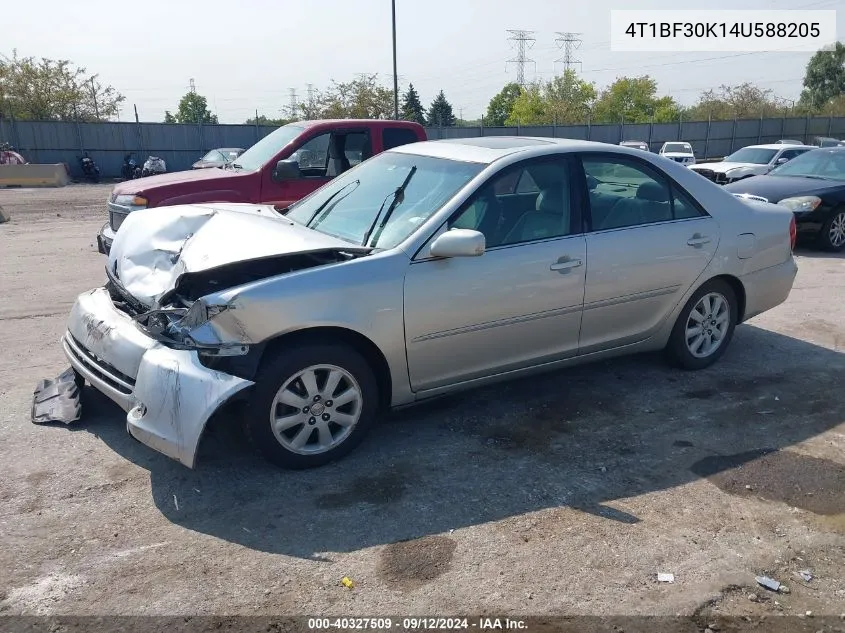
{"x": 523, "y": 41}
{"x": 309, "y": 107}
{"x": 568, "y": 42}
{"x": 193, "y": 86}
{"x": 292, "y": 105}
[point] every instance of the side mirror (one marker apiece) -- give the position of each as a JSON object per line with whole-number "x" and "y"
{"x": 286, "y": 170}
{"x": 781, "y": 161}
{"x": 458, "y": 243}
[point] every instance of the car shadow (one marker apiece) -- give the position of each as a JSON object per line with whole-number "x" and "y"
{"x": 582, "y": 438}
{"x": 806, "y": 248}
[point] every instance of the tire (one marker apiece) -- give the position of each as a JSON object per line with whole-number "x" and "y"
{"x": 282, "y": 375}
{"x": 680, "y": 351}
{"x": 832, "y": 235}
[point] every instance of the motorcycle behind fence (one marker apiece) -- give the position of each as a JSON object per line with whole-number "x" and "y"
{"x": 90, "y": 169}
{"x": 154, "y": 166}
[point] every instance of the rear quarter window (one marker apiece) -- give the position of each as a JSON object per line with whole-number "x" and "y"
{"x": 394, "y": 137}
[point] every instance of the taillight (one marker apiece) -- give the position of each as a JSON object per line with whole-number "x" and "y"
{"x": 793, "y": 233}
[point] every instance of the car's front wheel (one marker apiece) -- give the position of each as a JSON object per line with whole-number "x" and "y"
{"x": 311, "y": 405}
{"x": 832, "y": 235}
{"x": 704, "y": 327}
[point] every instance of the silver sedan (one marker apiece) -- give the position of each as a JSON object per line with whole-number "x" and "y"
{"x": 428, "y": 269}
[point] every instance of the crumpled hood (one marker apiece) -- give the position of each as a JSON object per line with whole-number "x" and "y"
{"x": 724, "y": 166}
{"x": 155, "y": 247}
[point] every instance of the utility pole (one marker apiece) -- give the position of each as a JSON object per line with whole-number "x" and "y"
{"x": 568, "y": 42}
{"x": 395, "y": 75}
{"x": 94, "y": 95}
{"x": 523, "y": 41}
{"x": 292, "y": 103}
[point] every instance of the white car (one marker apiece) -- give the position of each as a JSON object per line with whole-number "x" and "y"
{"x": 678, "y": 151}
{"x": 754, "y": 160}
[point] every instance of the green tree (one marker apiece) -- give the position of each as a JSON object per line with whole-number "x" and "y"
{"x": 565, "y": 99}
{"x": 53, "y": 90}
{"x": 363, "y": 98}
{"x": 745, "y": 101}
{"x": 440, "y": 113}
{"x": 169, "y": 118}
{"x": 824, "y": 78}
{"x": 263, "y": 120}
{"x": 634, "y": 100}
{"x": 501, "y": 106}
{"x": 193, "y": 108}
{"x": 412, "y": 108}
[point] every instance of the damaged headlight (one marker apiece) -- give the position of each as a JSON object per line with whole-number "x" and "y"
{"x": 177, "y": 328}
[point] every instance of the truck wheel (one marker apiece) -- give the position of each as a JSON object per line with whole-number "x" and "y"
{"x": 311, "y": 405}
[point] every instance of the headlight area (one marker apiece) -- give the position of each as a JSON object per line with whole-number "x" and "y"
{"x": 131, "y": 200}
{"x": 190, "y": 329}
{"x": 801, "y": 204}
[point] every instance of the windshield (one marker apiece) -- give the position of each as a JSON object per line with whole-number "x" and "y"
{"x": 351, "y": 204}
{"x": 213, "y": 155}
{"x": 257, "y": 156}
{"x": 683, "y": 148}
{"x": 815, "y": 164}
{"x": 753, "y": 155}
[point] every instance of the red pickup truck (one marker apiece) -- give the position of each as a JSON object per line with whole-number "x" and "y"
{"x": 283, "y": 167}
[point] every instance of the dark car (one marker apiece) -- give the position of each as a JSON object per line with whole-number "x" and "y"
{"x": 218, "y": 157}
{"x": 813, "y": 187}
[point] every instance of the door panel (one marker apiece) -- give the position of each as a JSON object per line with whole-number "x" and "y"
{"x": 637, "y": 275}
{"x": 650, "y": 243}
{"x": 471, "y": 317}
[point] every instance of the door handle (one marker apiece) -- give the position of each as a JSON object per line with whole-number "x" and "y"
{"x": 564, "y": 264}
{"x": 698, "y": 240}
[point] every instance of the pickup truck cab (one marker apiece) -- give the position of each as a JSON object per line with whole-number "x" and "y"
{"x": 283, "y": 167}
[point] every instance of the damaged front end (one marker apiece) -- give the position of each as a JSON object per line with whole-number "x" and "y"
{"x": 165, "y": 338}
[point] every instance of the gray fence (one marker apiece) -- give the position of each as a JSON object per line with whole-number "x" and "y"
{"x": 181, "y": 145}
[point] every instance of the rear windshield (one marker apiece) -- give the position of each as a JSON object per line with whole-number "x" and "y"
{"x": 678, "y": 147}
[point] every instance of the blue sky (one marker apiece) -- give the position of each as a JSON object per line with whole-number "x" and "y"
{"x": 247, "y": 55}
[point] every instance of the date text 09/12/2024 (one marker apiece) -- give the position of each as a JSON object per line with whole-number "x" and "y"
{"x": 417, "y": 624}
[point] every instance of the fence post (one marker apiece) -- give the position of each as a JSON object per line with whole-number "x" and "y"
{"x": 760, "y": 129}
{"x": 589, "y": 126}
{"x": 829, "y": 125}
{"x": 806, "y": 128}
{"x": 517, "y": 127}
{"x": 707, "y": 136}
{"x": 554, "y": 126}
{"x": 256, "y": 126}
{"x": 140, "y": 136}
{"x": 622, "y": 129}
{"x": 482, "y": 125}
{"x": 733, "y": 136}
{"x": 783, "y": 125}
{"x": 680, "y": 125}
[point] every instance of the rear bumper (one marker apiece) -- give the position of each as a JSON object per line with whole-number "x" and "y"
{"x": 168, "y": 394}
{"x": 768, "y": 288}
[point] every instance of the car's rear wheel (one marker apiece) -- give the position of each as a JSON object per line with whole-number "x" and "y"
{"x": 832, "y": 235}
{"x": 311, "y": 405}
{"x": 704, "y": 327}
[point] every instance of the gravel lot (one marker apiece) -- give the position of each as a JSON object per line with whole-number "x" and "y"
{"x": 561, "y": 494}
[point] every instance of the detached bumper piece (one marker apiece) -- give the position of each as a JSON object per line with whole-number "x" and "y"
{"x": 57, "y": 400}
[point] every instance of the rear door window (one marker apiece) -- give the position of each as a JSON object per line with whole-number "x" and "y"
{"x": 394, "y": 137}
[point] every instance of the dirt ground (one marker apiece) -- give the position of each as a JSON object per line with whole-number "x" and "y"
{"x": 564, "y": 494}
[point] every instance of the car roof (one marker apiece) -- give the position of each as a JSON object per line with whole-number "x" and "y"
{"x": 487, "y": 149}
{"x": 779, "y": 146}
{"x": 369, "y": 123}
{"x": 633, "y": 143}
